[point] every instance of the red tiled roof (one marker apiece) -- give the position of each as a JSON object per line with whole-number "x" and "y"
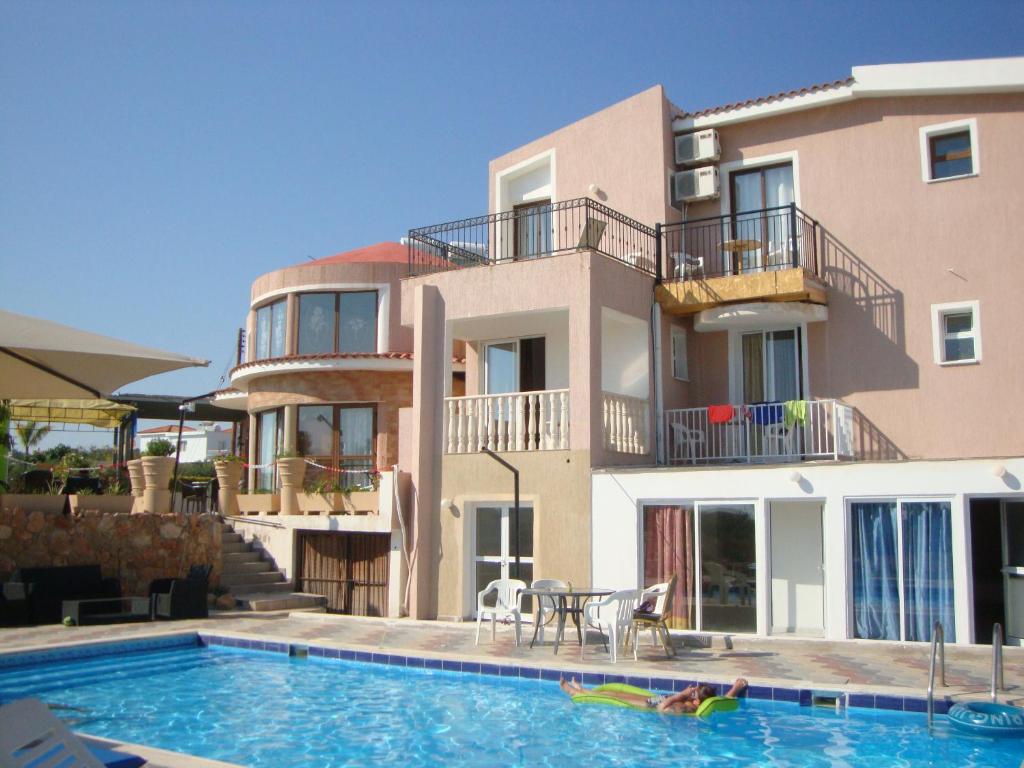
{"x": 168, "y": 428}
{"x": 388, "y": 252}
{"x": 771, "y": 98}
{"x": 334, "y": 356}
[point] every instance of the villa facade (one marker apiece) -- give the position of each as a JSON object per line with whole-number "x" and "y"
{"x": 765, "y": 347}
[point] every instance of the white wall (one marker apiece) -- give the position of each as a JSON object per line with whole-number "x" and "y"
{"x": 798, "y": 594}
{"x": 625, "y": 354}
{"x": 619, "y": 496}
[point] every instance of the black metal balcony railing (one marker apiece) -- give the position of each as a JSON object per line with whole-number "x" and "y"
{"x": 783, "y": 237}
{"x": 530, "y": 233}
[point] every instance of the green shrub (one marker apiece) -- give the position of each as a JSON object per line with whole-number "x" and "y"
{"x": 159, "y": 447}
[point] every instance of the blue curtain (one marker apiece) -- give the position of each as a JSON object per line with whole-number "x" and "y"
{"x": 876, "y": 601}
{"x": 927, "y": 569}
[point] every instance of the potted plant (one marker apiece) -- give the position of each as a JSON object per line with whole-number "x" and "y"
{"x": 291, "y": 469}
{"x": 229, "y": 468}
{"x": 157, "y": 466}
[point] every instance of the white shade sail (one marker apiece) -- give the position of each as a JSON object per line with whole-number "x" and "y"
{"x": 40, "y": 359}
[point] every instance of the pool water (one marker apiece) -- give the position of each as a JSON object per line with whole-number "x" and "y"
{"x": 269, "y": 709}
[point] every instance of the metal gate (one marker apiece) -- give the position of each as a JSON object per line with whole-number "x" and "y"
{"x": 349, "y": 569}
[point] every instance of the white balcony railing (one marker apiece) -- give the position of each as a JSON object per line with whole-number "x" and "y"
{"x": 517, "y": 421}
{"x": 759, "y": 433}
{"x": 626, "y": 423}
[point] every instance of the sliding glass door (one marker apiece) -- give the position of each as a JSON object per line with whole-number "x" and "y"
{"x": 902, "y": 569}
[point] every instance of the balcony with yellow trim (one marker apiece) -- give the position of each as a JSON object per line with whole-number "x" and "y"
{"x": 768, "y": 255}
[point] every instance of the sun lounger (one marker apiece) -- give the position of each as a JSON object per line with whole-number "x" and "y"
{"x": 30, "y": 735}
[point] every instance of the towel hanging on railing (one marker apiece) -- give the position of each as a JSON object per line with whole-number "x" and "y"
{"x": 794, "y": 412}
{"x": 766, "y": 413}
{"x": 720, "y": 414}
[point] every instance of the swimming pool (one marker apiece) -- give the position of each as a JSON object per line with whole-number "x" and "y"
{"x": 271, "y": 709}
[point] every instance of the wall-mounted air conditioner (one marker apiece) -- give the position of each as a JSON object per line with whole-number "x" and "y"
{"x": 699, "y": 147}
{"x": 695, "y": 184}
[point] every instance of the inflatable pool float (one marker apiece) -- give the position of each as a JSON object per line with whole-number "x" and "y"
{"x": 988, "y": 718}
{"x": 709, "y": 706}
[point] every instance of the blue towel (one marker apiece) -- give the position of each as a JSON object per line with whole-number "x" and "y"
{"x": 766, "y": 413}
{"x": 112, "y": 759}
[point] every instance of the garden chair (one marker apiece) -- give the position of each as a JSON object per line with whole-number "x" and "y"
{"x": 181, "y": 598}
{"x": 547, "y": 607}
{"x": 507, "y": 604}
{"x": 614, "y": 615}
{"x": 660, "y": 598}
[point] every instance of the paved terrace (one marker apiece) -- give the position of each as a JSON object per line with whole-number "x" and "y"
{"x": 894, "y": 669}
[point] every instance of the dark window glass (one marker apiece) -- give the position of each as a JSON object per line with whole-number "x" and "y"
{"x": 951, "y": 155}
{"x": 357, "y": 322}
{"x": 958, "y": 341}
{"x": 316, "y": 323}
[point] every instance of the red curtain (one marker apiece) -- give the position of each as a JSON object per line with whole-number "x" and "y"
{"x": 668, "y": 551}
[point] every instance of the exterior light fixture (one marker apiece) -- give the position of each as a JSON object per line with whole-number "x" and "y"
{"x": 795, "y": 477}
{"x": 999, "y": 470}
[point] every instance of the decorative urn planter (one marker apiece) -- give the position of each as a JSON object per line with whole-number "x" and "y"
{"x": 156, "y": 498}
{"x": 229, "y": 476}
{"x": 291, "y": 471}
{"x": 138, "y": 483}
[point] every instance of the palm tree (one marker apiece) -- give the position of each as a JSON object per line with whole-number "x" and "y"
{"x": 31, "y": 434}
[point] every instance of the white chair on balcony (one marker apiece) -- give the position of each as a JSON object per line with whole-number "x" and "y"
{"x": 507, "y": 605}
{"x": 687, "y": 443}
{"x": 612, "y": 615}
{"x": 779, "y": 442}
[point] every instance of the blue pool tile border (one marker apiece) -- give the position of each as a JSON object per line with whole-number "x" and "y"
{"x": 801, "y": 696}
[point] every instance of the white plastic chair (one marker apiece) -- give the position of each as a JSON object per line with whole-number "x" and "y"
{"x": 686, "y": 441}
{"x": 777, "y": 442}
{"x": 546, "y": 606}
{"x": 507, "y": 604}
{"x": 612, "y": 615}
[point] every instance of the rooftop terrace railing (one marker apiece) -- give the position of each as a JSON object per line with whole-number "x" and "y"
{"x": 530, "y": 233}
{"x": 783, "y": 237}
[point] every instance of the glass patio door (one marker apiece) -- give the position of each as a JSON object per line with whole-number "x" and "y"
{"x": 757, "y": 196}
{"x": 1012, "y": 514}
{"x": 495, "y": 545}
{"x": 772, "y": 366}
{"x": 728, "y": 560}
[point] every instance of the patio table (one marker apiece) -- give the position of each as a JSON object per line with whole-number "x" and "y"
{"x": 568, "y": 601}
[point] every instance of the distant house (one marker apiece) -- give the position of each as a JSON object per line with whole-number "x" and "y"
{"x": 197, "y": 443}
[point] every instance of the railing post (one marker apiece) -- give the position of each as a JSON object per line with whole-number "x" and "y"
{"x": 792, "y": 235}
{"x": 659, "y": 270}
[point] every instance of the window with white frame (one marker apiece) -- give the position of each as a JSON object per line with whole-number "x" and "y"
{"x": 956, "y": 332}
{"x": 680, "y": 369}
{"x": 949, "y": 150}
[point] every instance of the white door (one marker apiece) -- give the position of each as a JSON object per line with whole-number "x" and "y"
{"x": 495, "y": 545}
{"x": 1013, "y": 570}
{"x": 797, "y": 569}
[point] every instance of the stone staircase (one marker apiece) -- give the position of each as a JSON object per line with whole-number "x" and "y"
{"x": 255, "y": 583}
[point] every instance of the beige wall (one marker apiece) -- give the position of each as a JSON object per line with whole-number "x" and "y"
{"x": 556, "y": 483}
{"x": 895, "y": 246}
{"x": 625, "y": 150}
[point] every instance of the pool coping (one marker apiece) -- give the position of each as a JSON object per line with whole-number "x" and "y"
{"x": 843, "y": 696}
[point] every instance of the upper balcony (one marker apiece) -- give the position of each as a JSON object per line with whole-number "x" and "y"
{"x": 764, "y": 255}
{"x": 532, "y": 232}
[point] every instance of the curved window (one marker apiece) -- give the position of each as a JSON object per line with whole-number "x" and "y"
{"x": 270, "y": 330}
{"x": 337, "y": 322}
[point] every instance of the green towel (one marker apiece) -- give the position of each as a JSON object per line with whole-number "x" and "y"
{"x": 793, "y": 412}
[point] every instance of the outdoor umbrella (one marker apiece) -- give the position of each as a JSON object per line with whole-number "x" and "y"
{"x": 40, "y": 359}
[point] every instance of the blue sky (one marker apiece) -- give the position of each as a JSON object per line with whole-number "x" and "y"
{"x": 156, "y": 157}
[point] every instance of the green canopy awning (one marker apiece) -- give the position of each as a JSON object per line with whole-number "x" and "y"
{"x": 99, "y": 413}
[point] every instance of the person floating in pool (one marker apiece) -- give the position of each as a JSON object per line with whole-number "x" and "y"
{"x": 685, "y": 701}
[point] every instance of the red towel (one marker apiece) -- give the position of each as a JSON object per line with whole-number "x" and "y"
{"x": 720, "y": 414}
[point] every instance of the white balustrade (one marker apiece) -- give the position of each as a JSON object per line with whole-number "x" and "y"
{"x": 758, "y": 433}
{"x": 514, "y": 421}
{"x": 626, "y": 423}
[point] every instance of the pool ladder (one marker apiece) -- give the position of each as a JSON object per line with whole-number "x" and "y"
{"x": 939, "y": 646}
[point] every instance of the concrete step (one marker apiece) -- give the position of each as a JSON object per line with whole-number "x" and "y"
{"x": 244, "y": 590}
{"x": 234, "y": 558}
{"x": 250, "y": 579}
{"x": 226, "y": 536}
{"x": 234, "y": 547}
{"x": 283, "y": 601}
{"x": 238, "y": 569}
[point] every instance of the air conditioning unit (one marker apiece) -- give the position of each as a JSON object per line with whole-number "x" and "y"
{"x": 695, "y": 184}
{"x": 700, "y": 147}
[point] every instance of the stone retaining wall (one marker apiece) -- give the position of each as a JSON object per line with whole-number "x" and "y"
{"x": 134, "y": 548}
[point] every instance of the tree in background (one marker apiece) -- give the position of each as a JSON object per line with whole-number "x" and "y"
{"x": 31, "y": 434}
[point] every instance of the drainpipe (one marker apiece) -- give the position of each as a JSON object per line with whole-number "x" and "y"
{"x": 515, "y": 507}
{"x": 659, "y": 405}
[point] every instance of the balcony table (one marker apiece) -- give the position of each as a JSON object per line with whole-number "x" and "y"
{"x": 562, "y": 596}
{"x": 737, "y": 248}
